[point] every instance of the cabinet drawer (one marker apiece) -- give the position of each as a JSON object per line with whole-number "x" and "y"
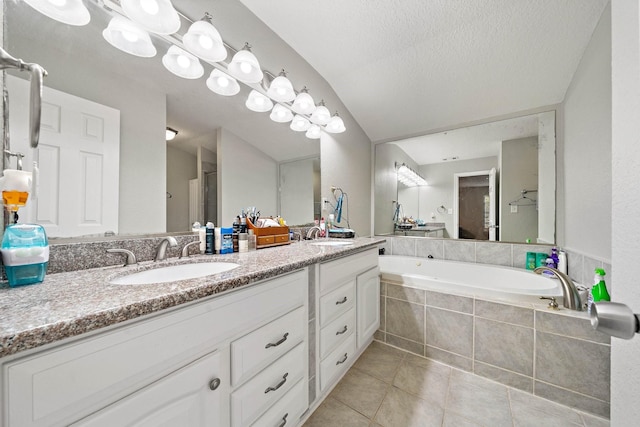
{"x": 286, "y": 411}
{"x": 337, "y": 362}
{"x": 336, "y": 332}
{"x": 263, "y": 390}
{"x": 281, "y": 238}
{"x": 266, "y": 240}
{"x": 264, "y": 345}
{"x": 335, "y": 273}
{"x": 337, "y": 302}
{"x": 59, "y": 385}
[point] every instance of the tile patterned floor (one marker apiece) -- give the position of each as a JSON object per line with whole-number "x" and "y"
{"x": 388, "y": 387}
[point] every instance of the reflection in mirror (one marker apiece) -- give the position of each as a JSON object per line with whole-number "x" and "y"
{"x": 156, "y": 186}
{"x": 522, "y": 152}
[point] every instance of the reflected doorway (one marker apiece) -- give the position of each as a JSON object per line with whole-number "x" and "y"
{"x": 475, "y": 205}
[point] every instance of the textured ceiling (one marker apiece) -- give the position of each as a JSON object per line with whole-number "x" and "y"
{"x": 405, "y": 67}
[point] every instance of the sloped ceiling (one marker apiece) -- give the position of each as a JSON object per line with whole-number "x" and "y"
{"x": 405, "y": 67}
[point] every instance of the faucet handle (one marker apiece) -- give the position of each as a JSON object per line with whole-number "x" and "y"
{"x": 553, "y": 304}
{"x": 131, "y": 257}
{"x": 185, "y": 250}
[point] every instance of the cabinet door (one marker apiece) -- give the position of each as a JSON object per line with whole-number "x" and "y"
{"x": 367, "y": 305}
{"x": 195, "y": 395}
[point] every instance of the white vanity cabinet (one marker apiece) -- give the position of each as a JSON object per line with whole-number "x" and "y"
{"x": 348, "y": 312}
{"x": 207, "y": 363}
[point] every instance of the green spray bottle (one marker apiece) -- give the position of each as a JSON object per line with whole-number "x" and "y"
{"x": 599, "y": 289}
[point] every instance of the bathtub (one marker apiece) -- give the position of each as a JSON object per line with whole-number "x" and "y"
{"x": 463, "y": 278}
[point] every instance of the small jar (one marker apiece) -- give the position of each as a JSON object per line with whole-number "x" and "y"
{"x": 243, "y": 242}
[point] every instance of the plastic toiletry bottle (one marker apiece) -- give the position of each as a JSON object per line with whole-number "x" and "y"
{"x": 322, "y": 227}
{"x": 217, "y": 239}
{"x": 599, "y": 289}
{"x": 554, "y": 256}
{"x": 549, "y": 263}
{"x": 202, "y": 236}
{"x": 531, "y": 261}
{"x": 252, "y": 240}
{"x": 562, "y": 262}
{"x": 210, "y": 239}
{"x": 226, "y": 245}
{"x": 243, "y": 242}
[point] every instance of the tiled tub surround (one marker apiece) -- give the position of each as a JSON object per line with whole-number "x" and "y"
{"x": 580, "y": 266}
{"x": 552, "y": 354}
{"x": 71, "y": 303}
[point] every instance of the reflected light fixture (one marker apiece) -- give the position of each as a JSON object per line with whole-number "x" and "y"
{"x": 303, "y": 103}
{"x": 222, "y": 84}
{"x": 244, "y": 66}
{"x": 313, "y": 132}
{"x": 203, "y": 40}
{"x": 281, "y": 114}
{"x": 71, "y": 12}
{"x": 157, "y": 16}
{"x": 258, "y": 102}
{"x": 171, "y": 133}
{"x": 409, "y": 177}
{"x": 321, "y": 114}
{"x": 125, "y": 35}
{"x": 335, "y": 125}
{"x": 281, "y": 89}
{"x": 182, "y": 63}
{"x": 299, "y": 123}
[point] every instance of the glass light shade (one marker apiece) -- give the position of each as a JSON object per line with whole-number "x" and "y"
{"x": 321, "y": 115}
{"x": 335, "y": 125}
{"x": 71, "y": 12}
{"x": 203, "y": 40}
{"x": 182, "y": 63}
{"x": 303, "y": 103}
{"x": 313, "y": 132}
{"x": 222, "y": 84}
{"x": 125, "y": 35}
{"x": 170, "y": 133}
{"x": 157, "y": 16}
{"x": 281, "y": 114}
{"x": 245, "y": 67}
{"x": 281, "y": 89}
{"x": 299, "y": 123}
{"x": 258, "y": 102}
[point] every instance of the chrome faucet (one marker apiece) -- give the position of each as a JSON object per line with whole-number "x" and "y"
{"x": 131, "y": 257}
{"x": 570, "y": 296}
{"x": 310, "y": 232}
{"x": 185, "y": 249}
{"x": 161, "y": 250}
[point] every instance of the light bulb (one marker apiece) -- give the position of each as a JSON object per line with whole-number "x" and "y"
{"x": 223, "y": 81}
{"x": 183, "y": 61}
{"x": 205, "y": 42}
{"x": 245, "y": 67}
{"x": 150, "y": 6}
{"x": 130, "y": 36}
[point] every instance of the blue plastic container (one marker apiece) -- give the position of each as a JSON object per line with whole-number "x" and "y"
{"x": 25, "y": 254}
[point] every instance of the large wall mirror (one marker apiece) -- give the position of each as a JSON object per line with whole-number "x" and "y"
{"x": 493, "y": 181}
{"x": 224, "y": 158}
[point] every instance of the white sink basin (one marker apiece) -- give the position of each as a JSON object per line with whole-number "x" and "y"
{"x": 331, "y": 243}
{"x": 174, "y": 273}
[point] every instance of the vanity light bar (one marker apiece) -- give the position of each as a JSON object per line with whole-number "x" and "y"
{"x": 409, "y": 177}
{"x": 263, "y": 86}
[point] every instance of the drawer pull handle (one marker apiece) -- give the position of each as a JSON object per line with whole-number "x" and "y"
{"x": 284, "y": 380}
{"x": 342, "y": 331}
{"x": 214, "y": 383}
{"x": 284, "y": 338}
{"x": 342, "y": 301}
{"x": 344, "y": 359}
{"x": 284, "y": 420}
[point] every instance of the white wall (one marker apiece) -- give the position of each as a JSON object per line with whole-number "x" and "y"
{"x": 346, "y": 163}
{"x": 625, "y": 370}
{"x": 587, "y": 149}
{"x": 439, "y": 192}
{"x": 518, "y": 171}
{"x": 181, "y": 167}
{"x": 246, "y": 177}
{"x": 385, "y": 186}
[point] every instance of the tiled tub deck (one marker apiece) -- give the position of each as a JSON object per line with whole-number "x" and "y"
{"x": 552, "y": 354}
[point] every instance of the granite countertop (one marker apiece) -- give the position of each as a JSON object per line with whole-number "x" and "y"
{"x": 73, "y": 303}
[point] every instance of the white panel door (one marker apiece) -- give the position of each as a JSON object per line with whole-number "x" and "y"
{"x": 196, "y": 395}
{"x": 78, "y": 157}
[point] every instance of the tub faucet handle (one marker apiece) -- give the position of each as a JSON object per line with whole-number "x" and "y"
{"x": 553, "y": 304}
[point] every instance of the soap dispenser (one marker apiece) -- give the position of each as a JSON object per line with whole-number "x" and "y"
{"x": 25, "y": 254}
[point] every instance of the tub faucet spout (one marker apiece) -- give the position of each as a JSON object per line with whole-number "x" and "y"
{"x": 570, "y": 296}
